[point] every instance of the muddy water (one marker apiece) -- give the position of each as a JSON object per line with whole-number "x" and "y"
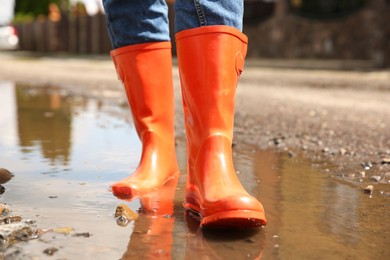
{"x": 65, "y": 151}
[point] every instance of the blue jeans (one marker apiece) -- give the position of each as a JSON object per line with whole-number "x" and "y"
{"x": 140, "y": 21}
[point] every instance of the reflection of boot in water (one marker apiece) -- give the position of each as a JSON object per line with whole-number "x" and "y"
{"x": 152, "y": 236}
{"x": 201, "y": 244}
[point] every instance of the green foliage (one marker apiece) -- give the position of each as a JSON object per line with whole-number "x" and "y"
{"x": 22, "y": 18}
{"x": 29, "y": 8}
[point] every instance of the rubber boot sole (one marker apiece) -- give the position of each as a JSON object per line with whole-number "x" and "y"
{"x": 231, "y": 219}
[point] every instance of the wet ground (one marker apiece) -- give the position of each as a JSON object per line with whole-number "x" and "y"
{"x": 64, "y": 150}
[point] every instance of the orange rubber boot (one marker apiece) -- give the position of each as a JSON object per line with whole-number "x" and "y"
{"x": 210, "y": 60}
{"x": 146, "y": 72}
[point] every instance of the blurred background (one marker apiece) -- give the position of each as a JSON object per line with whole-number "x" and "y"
{"x": 349, "y": 30}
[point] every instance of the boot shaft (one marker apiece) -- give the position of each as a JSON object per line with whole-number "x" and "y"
{"x": 211, "y": 59}
{"x": 146, "y": 73}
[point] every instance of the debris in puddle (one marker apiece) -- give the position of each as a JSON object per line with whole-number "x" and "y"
{"x": 124, "y": 215}
{"x": 10, "y": 219}
{"x": 369, "y": 189}
{"x": 84, "y": 234}
{"x": 38, "y": 233}
{"x": 29, "y": 221}
{"x": 13, "y": 233}
{"x": 63, "y": 230}
{"x": 50, "y": 251}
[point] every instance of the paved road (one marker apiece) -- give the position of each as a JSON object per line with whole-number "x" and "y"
{"x": 341, "y": 115}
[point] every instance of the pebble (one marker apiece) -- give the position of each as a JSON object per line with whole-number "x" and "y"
{"x": 275, "y": 141}
{"x": 50, "y": 251}
{"x": 124, "y": 215}
{"x": 376, "y": 178}
{"x": 343, "y": 151}
{"x": 385, "y": 161}
{"x": 367, "y": 165}
{"x": 5, "y": 175}
{"x": 369, "y": 189}
{"x": 10, "y": 219}
{"x": 12, "y": 233}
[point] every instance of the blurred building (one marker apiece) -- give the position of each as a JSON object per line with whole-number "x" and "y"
{"x": 320, "y": 29}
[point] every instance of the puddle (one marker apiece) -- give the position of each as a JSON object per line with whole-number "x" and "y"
{"x": 65, "y": 151}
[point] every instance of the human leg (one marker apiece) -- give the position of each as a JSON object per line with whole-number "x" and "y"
{"x": 197, "y": 13}
{"x": 136, "y": 21}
